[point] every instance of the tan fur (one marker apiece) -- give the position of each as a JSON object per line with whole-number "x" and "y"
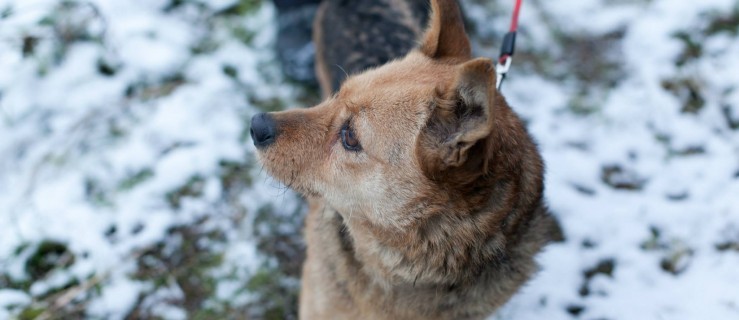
{"x": 442, "y": 38}
{"x": 440, "y": 214}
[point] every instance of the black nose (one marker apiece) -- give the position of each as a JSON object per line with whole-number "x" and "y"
{"x": 263, "y": 130}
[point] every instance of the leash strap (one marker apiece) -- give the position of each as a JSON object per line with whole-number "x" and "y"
{"x": 507, "y": 49}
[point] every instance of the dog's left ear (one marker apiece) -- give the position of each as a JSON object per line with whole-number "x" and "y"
{"x": 445, "y": 36}
{"x": 461, "y": 119}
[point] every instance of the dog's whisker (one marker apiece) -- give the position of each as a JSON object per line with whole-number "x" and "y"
{"x": 342, "y": 69}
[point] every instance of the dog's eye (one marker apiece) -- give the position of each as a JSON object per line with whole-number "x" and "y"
{"x": 348, "y": 139}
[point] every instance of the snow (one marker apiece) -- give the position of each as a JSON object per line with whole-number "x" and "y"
{"x": 56, "y": 126}
{"x": 82, "y": 152}
{"x": 623, "y": 132}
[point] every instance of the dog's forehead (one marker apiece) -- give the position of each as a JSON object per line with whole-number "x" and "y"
{"x": 406, "y": 80}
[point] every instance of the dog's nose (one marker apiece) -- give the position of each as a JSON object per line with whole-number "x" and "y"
{"x": 263, "y": 130}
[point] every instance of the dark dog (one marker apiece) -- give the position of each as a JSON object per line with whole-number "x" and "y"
{"x": 353, "y": 36}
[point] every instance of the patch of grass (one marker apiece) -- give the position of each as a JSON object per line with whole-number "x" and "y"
{"x": 676, "y": 254}
{"x": 48, "y": 255}
{"x": 192, "y": 188}
{"x": 6, "y": 281}
{"x": 583, "y": 104}
{"x": 678, "y": 196}
{"x": 268, "y": 104}
{"x": 31, "y": 313}
{"x": 19, "y": 249}
{"x": 277, "y": 286}
{"x": 230, "y": 71}
{"x": 204, "y": 45}
{"x": 173, "y": 4}
{"x": 6, "y": 12}
{"x": 730, "y": 237}
{"x": 96, "y": 193}
{"x": 185, "y": 258}
{"x": 588, "y": 59}
{"x": 724, "y": 23}
{"x": 667, "y": 142}
{"x": 278, "y": 299}
{"x": 677, "y": 258}
{"x": 242, "y": 8}
{"x": 604, "y": 267}
{"x": 135, "y": 179}
{"x": 728, "y": 246}
{"x": 575, "y": 309}
{"x": 688, "y": 151}
{"x": 29, "y": 45}
{"x": 115, "y": 130}
{"x": 619, "y": 177}
{"x": 594, "y": 59}
{"x": 692, "y": 48}
{"x": 585, "y": 190}
{"x": 70, "y": 22}
{"x": 236, "y": 175}
{"x": 243, "y": 34}
{"x": 106, "y": 68}
{"x": 41, "y": 260}
{"x": 693, "y": 38}
{"x": 589, "y": 244}
{"x": 731, "y": 122}
{"x": 231, "y": 19}
{"x": 588, "y": 64}
{"x": 688, "y": 90}
{"x": 654, "y": 242}
{"x": 146, "y": 91}
{"x": 279, "y": 236}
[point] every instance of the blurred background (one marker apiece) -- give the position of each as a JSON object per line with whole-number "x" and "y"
{"x": 129, "y": 187}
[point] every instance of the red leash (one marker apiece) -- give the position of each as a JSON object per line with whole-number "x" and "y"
{"x": 506, "y": 50}
{"x": 514, "y": 20}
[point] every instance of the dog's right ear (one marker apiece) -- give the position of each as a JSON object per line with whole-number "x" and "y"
{"x": 461, "y": 121}
{"x": 445, "y": 36}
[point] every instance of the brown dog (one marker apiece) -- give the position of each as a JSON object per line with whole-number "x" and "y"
{"x": 425, "y": 188}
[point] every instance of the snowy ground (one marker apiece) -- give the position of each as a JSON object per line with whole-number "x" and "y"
{"x": 128, "y": 186}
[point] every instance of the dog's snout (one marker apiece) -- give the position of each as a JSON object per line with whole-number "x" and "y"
{"x": 263, "y": 130}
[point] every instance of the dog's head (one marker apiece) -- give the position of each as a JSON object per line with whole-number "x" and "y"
{"x": 413, "y": 128}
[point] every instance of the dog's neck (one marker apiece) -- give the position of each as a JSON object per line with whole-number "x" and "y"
{"x": 435, "y": 252}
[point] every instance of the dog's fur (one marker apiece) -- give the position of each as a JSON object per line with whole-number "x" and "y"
{"x": 440, "y": 213}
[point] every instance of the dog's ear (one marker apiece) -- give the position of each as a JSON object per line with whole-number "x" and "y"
{"x": 461, "y": 120}
{"x": 445, "y": 36}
